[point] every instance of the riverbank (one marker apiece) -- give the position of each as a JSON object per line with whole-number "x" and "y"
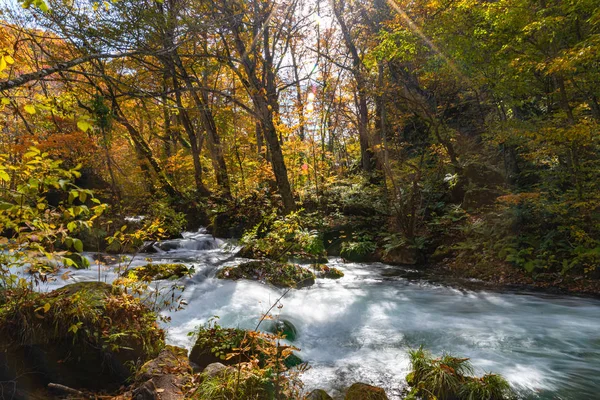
{"x": 503, "y": 276}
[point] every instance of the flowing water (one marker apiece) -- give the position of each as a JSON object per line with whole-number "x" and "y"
{"x": 359, "y": 328}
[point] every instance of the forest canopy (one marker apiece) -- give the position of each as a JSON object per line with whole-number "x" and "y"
{"x": 452, "y": 128}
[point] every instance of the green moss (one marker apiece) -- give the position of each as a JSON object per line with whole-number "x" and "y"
{"x": 80, "y": 327}
{"x": 150, "y": 272}
{"x": 324, "y": 271}
{"x": 449, "y": 378}
{"x": 277, "y": 274}
{"x": 318, "y": 394}
{"x": 283, "y": 328}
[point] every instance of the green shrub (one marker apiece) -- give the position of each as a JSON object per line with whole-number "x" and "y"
{"x": 263, "y": 368}
{"x": 277, "y": 238}
{"x": 359, "y": 248}
{"x": 450, "y": 378}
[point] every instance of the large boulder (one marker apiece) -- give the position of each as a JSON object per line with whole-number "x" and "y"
{"x": 327, "y": 272}
{"x": 164, "y": 377}
{"x": 362, "y": 391}
{"x": 318, "y": 394}
{"x": 214, "y": 344}
{"x": 85, "y": 335}
{"x": 282, "y": 327}
{"x": 217, "y": 344}
{"x": 402, "y": 255}
{"x": 275, "y": 273}
{"x": 152, "y": 272}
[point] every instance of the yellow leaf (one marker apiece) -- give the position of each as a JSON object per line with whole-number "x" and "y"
{"x": 83, "y": 125}
{"x": 2, "y": 64}
{"x": 5, "y": 101}
{"x": 46, "y": 307}
{"x": 9, "y": 60}
{"x": 30, "y": 109}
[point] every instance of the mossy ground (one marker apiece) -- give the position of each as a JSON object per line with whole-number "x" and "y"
{"x": 78, "y": 329}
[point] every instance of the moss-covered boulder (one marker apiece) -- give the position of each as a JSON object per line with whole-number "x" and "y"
{"x": 164, "y": 377}
{"x": 325, "y": 271}
{"x": 274, "y": 273}
{"x": 85, "y": 335}
{"x": 152, "y": 272}
{"x": 282, "y": 327}
{"x": 171, "y": 360}
{"x": 362, "y": 391}
{"x": 217, "y": 345}
{"x": 318, "y": 394}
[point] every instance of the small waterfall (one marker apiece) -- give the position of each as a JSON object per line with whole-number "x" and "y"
{"x": 192, "y": 241}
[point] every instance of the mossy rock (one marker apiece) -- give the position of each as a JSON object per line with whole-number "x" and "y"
{"x": 213, "y": 345}
{"x": 325, "y": 271}
{"x": 274, "y": 273}
{"x": 85, "y": 335}
{"x": 282, "y": 327}
{"x": 153, "y": 272}
{"x": 362, "y": 391}
{"x": 171, "y": 360}
{"x": 318, "y": 394}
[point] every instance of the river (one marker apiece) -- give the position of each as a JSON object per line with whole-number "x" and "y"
{"x": 359, "y": 328}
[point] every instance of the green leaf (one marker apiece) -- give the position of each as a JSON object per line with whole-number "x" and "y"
{"x": 78, "y": 245}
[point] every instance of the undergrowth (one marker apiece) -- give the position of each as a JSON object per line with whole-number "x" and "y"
{"x": 450, "y": 378}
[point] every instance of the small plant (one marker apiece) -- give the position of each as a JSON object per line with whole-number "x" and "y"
{"x": 359, "y": 248}
{"x": 450, "y": 378}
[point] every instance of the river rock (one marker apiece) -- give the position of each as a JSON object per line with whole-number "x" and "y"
{"x": 162, "y": 387}
{"x": 213, "y": 345}
{"x": 327, "y": 272}
{"x": 214, "y": 369}
{"x": 283, "y": 327}
{"x": 362, "y": 391}
{"x": 150, "y": 272}
{"x": 171, "y": 360}
{"x": 275, "y": 273}
{"x": 318, "y": 394}
{"x": 403, "y": 255}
